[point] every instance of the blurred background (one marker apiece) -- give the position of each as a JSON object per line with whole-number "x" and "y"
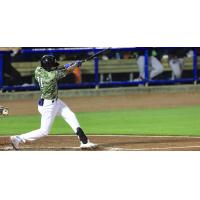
{"x": 116, "y": 67}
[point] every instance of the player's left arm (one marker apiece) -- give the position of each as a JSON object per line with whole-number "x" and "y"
{"x": 71, "y": 66}
{"x": 67, "y": 68}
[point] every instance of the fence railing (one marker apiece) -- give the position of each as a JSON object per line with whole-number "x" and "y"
{"x": 96, "y": 81}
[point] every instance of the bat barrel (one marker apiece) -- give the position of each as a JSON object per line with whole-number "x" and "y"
{"x": 98, "y": 53}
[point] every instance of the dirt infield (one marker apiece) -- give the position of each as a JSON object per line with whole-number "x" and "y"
{"x": 110, "y": 143}
{"x": 108, "y": 103}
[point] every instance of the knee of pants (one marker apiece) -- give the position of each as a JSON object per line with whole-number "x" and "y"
{"x": 177, "y": 71}
{"x": 68, "y": 115}
{"x": 178, "y": 74}
{"x": 44, "y": 132}
{"x": 71, "y": 115}
{"x": 160, "y": 69}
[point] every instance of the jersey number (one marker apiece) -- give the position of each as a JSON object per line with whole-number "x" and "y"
{"x": 40, "y": 82}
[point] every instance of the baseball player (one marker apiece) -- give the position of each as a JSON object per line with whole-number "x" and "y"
{"x": 155, "y": 66}
{"x": 176, "y": 60}
{"x": 49, "y": 105}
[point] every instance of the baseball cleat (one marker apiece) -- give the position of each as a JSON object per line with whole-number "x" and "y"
{"x": 88, "y": 145}
{"x": 15, "y": 141}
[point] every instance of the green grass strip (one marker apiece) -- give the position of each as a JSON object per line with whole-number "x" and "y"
{"x": 165, "y": 121}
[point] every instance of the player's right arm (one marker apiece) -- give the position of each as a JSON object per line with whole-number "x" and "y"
{"x": 60, "y": 73}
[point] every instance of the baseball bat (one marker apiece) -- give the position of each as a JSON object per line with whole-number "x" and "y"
{"x": 91, "y": 57}
{"x": 96, "y": 54}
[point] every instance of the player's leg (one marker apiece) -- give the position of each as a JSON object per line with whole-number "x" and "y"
{"x": 157, "y": 67}
{"x": 140, "y": 63}
{"x": 68, "y": 115}
{"x": 175, "y": 65}
{"x": 72, "y": 120}
{"x": 181, "y": 61}
{"x": 48, "y": 114}
{"x": 47, "y": 119}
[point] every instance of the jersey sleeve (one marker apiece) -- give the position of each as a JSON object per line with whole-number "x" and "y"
{"x": 61, "y": 73}
{"x": 46, "y": 76}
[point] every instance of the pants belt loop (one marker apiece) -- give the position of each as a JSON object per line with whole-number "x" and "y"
{"x": 54, "y": 99}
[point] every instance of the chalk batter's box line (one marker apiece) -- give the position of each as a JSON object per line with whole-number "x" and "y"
{"x": 138, "y": 136}
{"x": 160, "y": 148}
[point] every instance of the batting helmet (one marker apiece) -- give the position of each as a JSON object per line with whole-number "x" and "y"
{"x": 49, "y": 62}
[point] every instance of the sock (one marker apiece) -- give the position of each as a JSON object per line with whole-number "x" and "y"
{"x": 83, "y": 138}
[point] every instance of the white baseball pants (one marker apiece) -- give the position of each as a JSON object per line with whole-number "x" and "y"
{"x": 176, "y": 65}
{"x": 48, "y": 112}
{"x": 155, "y": 67}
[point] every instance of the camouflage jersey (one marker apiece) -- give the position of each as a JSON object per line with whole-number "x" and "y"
{"x": 48, "y": 81}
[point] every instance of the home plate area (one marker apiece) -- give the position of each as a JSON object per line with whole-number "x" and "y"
{"x": 109, "y": 143}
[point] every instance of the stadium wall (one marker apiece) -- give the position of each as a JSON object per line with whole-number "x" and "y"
{"x": 104, "y": 91}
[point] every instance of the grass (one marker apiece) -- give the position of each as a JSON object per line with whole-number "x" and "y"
{"x": 165, "y": 121}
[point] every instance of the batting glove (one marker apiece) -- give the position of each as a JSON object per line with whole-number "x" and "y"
{"x": 75, "y": 64}
{"x": 68, "y": 65}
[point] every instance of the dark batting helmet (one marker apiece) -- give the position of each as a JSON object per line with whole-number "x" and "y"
{"x": 49, "y": 62}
